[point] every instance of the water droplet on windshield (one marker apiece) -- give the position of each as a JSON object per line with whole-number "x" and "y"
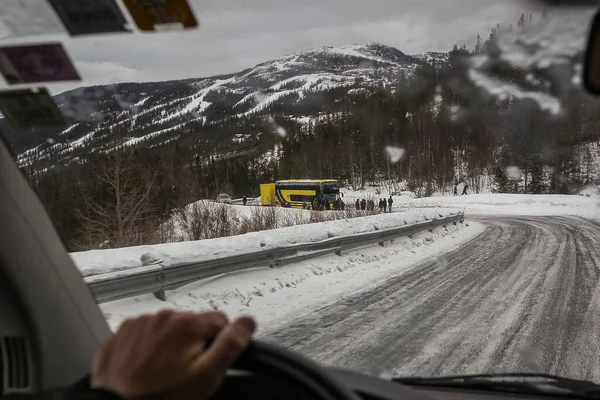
{"x": 386, "y": 375}
{"x": 513, "y": 172}
{"x": 530, "y": 357}
{"x": 441, "y": 264}
{"x": 395, "y": 154}
{"x": 277, "y": 128}
{"x": 455, "y": 113}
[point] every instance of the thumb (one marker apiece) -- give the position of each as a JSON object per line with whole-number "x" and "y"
{"x": 226, "y": 348}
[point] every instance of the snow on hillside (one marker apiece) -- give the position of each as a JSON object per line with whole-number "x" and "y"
{"x": 590, "y": 191}
{"x": 159, "y": 111}
{"x": 95, "y": 262}
{"x": 282, "y": 294}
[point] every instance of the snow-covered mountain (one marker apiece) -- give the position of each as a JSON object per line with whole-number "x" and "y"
{"x": 153, "y": 114}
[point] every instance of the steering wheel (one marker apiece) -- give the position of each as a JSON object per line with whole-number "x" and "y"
{"x": 276, "y": 363}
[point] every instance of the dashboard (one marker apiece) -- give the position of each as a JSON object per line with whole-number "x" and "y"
{"x": 249, "y": 386}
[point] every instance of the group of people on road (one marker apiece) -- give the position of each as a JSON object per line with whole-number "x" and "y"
{"x": 323, "y": 204}
{"x": 369, "y": 205}
{"x": 386, "y": 206}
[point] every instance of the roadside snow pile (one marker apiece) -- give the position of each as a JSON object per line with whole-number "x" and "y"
{"x": 95, "y": 262}
{"x": 590, "y": 191}
{"x": 512, "y": 204}
{"x": 278, "y": 295}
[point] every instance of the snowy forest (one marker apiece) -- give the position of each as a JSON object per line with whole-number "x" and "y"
{"x": 437, "y": 127}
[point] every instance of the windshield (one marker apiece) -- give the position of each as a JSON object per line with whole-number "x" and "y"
{"x": 156, "y": 138}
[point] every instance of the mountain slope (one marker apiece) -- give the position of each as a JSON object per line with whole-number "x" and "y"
{"x": 153, "y": 114}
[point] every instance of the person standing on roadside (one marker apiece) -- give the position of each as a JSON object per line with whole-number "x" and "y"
{"x": 390, "y": 202}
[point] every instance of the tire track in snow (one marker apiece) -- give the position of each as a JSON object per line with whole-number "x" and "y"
{"x": 523, "y": 296}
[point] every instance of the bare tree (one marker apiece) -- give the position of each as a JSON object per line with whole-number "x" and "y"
{"x": 115, "y": 215}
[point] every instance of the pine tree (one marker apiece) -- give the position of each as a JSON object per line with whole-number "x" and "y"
{"x": 478, "y": 45}
{"x": 500, "y": 179}
{"x": 536, "y": 186}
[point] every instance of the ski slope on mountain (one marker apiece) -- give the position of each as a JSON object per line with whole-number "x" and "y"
{"x": 155, "y": 113}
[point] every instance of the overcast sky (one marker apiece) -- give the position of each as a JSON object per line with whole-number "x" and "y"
{"x": 237, "y": 34}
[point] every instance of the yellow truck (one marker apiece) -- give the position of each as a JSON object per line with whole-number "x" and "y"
{"x": 294, "y": 193}
{"x": 267, "y": 194}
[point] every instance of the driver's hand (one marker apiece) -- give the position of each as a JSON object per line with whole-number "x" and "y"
{"x": 163, "y": 353}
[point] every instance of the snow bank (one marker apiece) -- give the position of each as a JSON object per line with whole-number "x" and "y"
{"x": 590, "y": 191}
{"x": 95, "y": 262}
{"x": 511, "y": 204}
{"x": 279, "y": 295}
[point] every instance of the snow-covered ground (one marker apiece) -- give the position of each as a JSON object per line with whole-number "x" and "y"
{"x": 277, "y": 295}
{"x": 585, "y": 204}
{"x": 591, "y": 191}
{"x": 511, "y": 204}
{"x": 95, "y": 262}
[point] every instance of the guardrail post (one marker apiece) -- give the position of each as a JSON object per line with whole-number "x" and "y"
{"x": 339, "y": 251}
{"x": 272, "y": 261}
{"x": 160, "y": 294}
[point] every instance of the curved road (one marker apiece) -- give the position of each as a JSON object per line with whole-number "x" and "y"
{"x": 522, "y": 296}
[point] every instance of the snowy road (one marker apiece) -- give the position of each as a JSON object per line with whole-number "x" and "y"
{"x": 523, "y": 296}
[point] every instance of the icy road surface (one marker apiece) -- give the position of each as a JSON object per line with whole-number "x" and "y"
{"x": 522, "y": 296}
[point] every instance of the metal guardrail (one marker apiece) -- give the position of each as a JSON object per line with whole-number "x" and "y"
{"x": 161, "y": 277}
{"x": 238, "y": 202}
